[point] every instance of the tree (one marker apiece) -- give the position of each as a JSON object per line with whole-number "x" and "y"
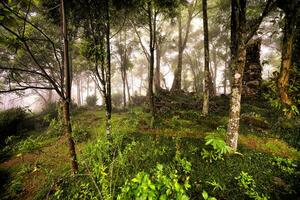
{"x": 291, "y": 10}
{"x": 240, "y": 36}
{"x": 206, "y": 60}
{"x": 147, "y": 16}
{"x": 182, "y": 42}
{"x": 40, "y": 72}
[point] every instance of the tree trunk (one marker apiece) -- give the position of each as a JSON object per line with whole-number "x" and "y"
{"x": 157, "y": 69}
{"x": 286, "y": 57}
{"x": 108, "y": 75}
{"x": 78, "y": 91}
{"x": 67, "y": 100}
{"x": 123, "y": 82}
{"x": 127, "y": 86}
{"x": 252, "y": 74}
{"x": 238, "y": 57}
{"x": 176, "y": 86}
{"x": 206, "y": 60}
{"x": 215, "y": 71}
{"x": 88, "y": 86}
{"x": 152, "y": 31}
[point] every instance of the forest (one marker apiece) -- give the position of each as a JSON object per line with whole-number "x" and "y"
{"x": 149, "y": 99}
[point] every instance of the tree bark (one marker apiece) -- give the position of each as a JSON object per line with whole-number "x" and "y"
{"x": 78, "y": 91}
{"x": 108, "y": 75}
{"x": 157, "y": 69}
{"x": 286, "y": 56}
{"x": 215, "y": 71}
{"x": 67, "y": 99}
{"x": 252, "y": 74}
{"x": 238, "y": 57}
{"x": 123, "y": 81}
{"x": 176, "y": 86}
{"x": 127, "y": 87}
{"x": 206, "y": 60}
{"x": 152, "y": 35}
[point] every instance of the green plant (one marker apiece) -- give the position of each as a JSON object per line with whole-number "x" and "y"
{"x": 284, "y": 164}
{"x": 161, "y": 184}
{"x": 91, "y": 101}
{"x": 219, "y": 147}
{"x": 12, "y": 122}
{"x": 216, "y": 185}
{"x": 55, "y": 127}
{"x": 247, "y": 183}
{"x": 79, "y": 133}
{"x": 206, "y": 196}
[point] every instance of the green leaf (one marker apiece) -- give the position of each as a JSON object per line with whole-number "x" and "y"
{"x": 204, "y": 194}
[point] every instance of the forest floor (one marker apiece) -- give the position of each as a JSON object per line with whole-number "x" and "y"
{"x": 33, "y": 169}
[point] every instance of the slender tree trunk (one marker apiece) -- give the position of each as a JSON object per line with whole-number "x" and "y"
{"x": 123, "y": 82}
{"x": 157, "y": 69}
{"x": 215, "y": 71}
{"x": 152, "y": 30}
{"x": 238, "y": 58}
{"x": 206, "y": 60}
{"x": 286, "y": 57}
{"x": 67, "y": 100}
{"x": 88, "y": 86}
{"x": 127, "y": 87}
{"x": 108, "y": 75}
{"x": 78, "y": 91}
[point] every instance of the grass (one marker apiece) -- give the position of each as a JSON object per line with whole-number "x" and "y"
{"x": 43, "y": 166}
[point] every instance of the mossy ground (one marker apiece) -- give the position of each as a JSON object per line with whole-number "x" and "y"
{"x": 30, "y": 175}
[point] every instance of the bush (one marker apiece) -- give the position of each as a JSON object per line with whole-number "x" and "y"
{"x": 91, "y": 100}
{"x": 50, "y": 110}
{"x": 11, "y": 122}
{"x": 79, "y": 134}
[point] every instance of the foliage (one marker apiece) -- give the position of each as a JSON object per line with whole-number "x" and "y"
{"x": 289, "y": 130}
{"x": 50, "y": 111}
{"x": 271, "y": 95}
{"x": 31, "y": 143}
{"x": 284, "y": 164}
{"x": 219, "y": 146}
{"x": 247, "y": 183}
{"x": 206, "y": 196}
{"x": 91, "y": 100}
{"x": 12, "y": 122}
{"x": 161, "y": 184}
{"x": 79, "y": 133}
{"x": 55, "y": 127}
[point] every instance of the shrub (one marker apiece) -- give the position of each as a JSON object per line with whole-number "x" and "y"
{"x": 11, "y": 122}
{"x": 91, "y": 101}
{"x": 163, "y": 183}
{"x": 55, "y": 127}
{"x": 219, "y": 146}
{"x": 247, "y": 183}
{"x": 50, "y": 111}
{"x": 79, "y": 133}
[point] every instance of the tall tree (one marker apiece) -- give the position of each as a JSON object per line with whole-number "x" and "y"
{"x": 240, "y": 36}
{"x": 37, "y": 62}
{"x": 182, "y": 42}
{"x": 206, "y": 60}
{"x": 67, "y": 86}
{"x": 291, "y": 10}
